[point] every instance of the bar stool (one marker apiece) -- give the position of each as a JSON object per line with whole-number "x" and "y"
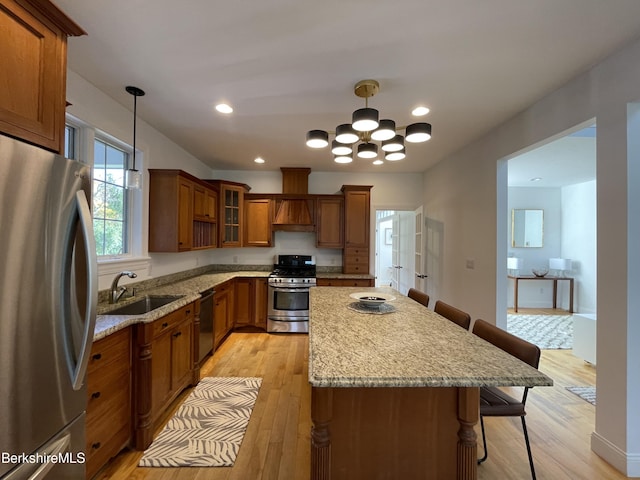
{"x": 418, "y": 296}
{"x": 454, "y": 314}
{"x": 494, "y": 402}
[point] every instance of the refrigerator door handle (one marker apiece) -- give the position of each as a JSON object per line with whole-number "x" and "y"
{"x": 86, "y": 225}
{"x": 54, "y": 449}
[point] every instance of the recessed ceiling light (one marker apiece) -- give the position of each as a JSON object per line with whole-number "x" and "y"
{"x": 535, "y": 179}
{"x": 259, "y": 160}
{"x": 378, "y": 162}
{"x": 224, "y": 108}
{"x": 420, "y": 111}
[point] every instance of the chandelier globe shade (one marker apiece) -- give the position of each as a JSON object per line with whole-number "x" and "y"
{"x": 366, "y": 129}
{"x": 343, "y": 159}
{"x": 317, "y": 139}
{"x": 395, "y": 156}
{"x": 338, "y": 148}
{"x": 367, "y": 150}
{"x": 418, "y": 132}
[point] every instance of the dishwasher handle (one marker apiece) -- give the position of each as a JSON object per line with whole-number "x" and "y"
{"x": 207, "y": 294}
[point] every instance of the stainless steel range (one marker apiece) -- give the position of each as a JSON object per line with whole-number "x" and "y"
{"x": 289, "y": 284}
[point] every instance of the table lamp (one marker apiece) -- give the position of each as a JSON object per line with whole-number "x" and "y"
{"x": 513, "y": 265}
{"x": 560, "y": 265}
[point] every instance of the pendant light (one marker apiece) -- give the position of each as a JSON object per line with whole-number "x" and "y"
{"x": 133, "y": 179}
{"x": 365, "y": 128}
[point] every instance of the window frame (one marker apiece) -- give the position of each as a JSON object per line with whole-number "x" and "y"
{"x": 136, "y": 258}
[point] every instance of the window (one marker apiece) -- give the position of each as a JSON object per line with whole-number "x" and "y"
{"x": 110, "y": 199}
{"x": 70, "y": 142}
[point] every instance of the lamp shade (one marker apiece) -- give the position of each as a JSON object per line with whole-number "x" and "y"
{"x": 317, "y": 138}
{"x": 367, "y": 150}
{"x": 394, "y": 156}
{"x": 385, "y": 131}
{"x": 418, "y": 132}
{"x": 559, "y": 264}
{"x": 394, "y": 145}
{"x": 365, "y": 119}
{"x": 338, "y": 148}
{"x": 514, "y": 263}
{"x": 346, "y": 134}
{"x": 343, "y": 158}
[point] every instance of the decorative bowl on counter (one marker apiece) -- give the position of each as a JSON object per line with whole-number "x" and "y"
{"x": 540, "y": 272}
{"x": 372, "y": 299}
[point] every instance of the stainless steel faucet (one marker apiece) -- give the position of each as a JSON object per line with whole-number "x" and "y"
{"x": 117, "y": 292}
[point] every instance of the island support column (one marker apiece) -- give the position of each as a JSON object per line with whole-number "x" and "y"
{"x": 394, "y": 432}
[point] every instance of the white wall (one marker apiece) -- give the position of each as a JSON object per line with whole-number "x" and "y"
{"x": 461, "y": 194}
{"x": 579, "y": 242}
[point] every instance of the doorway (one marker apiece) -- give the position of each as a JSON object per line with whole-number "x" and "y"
{"x": 394, "y": 258}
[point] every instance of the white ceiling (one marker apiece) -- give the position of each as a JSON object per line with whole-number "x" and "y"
{"x": 289, "y": 66}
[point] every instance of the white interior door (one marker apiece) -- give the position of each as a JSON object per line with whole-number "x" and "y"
{"x": 419, "y": 263}
{"x": 395, "y": 251}
{"x": 405, "y": 251}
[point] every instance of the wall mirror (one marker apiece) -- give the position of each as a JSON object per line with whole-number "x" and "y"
{"x": 526, "y": 228}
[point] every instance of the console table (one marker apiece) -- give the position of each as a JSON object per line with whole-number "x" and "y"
{"x": 517, "y": 279}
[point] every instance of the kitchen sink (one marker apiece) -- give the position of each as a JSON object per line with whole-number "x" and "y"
{"x": 144, "y": 305}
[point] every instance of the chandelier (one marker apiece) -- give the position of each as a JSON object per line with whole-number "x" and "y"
{"x": 365, "y": 129}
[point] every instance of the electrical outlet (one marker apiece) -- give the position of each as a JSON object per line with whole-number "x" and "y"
{"x": 471, "y": 264}
{"x": 235, "y": 259}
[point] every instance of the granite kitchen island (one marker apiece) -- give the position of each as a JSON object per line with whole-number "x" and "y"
{"x": 396, "y": 395}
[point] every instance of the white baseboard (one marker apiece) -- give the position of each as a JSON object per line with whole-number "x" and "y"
{"x": 628, "y": 464}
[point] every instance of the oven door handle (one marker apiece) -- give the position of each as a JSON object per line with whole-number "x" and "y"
{"x": 290, "y": 289}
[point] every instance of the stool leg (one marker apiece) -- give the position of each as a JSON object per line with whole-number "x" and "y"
{"x": 526, "y": 440}
{"x": 484, "y": 442}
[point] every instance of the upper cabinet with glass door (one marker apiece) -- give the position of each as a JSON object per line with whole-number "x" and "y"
{"x": 231, "y": 212}
{"x": 527, "y": 227}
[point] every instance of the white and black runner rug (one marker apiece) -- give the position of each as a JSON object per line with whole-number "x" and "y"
{"x": 545, "y": 331}
{"x": 208, "y": 427}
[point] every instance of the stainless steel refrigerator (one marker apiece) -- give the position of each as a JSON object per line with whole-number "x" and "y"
{"x": 48, "y": 296}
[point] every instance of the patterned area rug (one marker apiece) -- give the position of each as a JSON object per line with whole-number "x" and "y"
{"x": 585, "y": 393}
{"x": 208, "y": 427}
{"x": 545, "y": 331}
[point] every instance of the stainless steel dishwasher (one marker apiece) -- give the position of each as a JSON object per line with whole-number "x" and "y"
{"x": 206, "y": 324}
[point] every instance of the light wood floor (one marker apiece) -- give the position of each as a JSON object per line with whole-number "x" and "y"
{"x": 276, "y": 444}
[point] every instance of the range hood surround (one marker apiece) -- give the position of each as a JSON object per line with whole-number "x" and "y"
{"x": 295, "y": 208}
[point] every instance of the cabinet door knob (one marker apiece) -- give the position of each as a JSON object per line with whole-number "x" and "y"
{"x": 96, "y": 445}
{"x": 97, "y": 356}
{"x": 177, "y": 334}
{"x": 95, "y": 395}
{"x": 165, "y": 325}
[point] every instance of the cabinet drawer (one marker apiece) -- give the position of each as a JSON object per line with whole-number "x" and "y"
{"x": 356, "y": 251}
{"x": 355, "y": 268}
{"x": 106, "y": 392}
{"x": 105, "y": 439}
{"x": 111, "y": 350}
{"x": 172, "y": 319}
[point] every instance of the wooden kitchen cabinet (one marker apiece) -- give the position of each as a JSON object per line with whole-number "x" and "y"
{"x": 258, "y": 215}
{"x": 250, "y": 302}
{"x": 231, "y": 211}
{"x": 182, "y": 212}
{"x": 357, "y": 200}
{"x": 166, "y": 364}
{"x": 223, "y": 311}
{"x": 108, "y": 421}
{"x": 33, "y": 76}
{"x": 330, "y": 221}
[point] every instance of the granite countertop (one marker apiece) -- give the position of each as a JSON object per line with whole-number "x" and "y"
{"x": 191, "y": 288}
{"x": 410, "y": 347}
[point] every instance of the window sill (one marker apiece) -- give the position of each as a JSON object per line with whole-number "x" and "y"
{"x": 111, "y": 266}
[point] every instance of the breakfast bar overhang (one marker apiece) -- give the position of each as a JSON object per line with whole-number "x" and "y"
{"x": 396, "y": 395}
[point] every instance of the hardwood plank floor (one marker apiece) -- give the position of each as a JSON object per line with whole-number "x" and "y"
{"x": 276, "y": 444}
